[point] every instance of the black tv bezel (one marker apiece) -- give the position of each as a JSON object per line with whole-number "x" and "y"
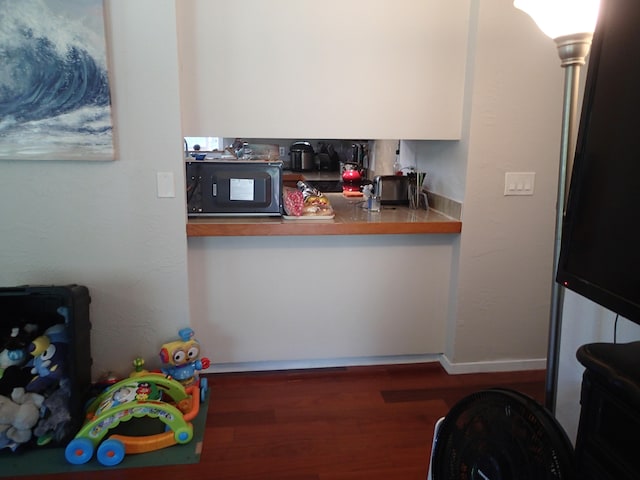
{"x": 590, "y": 288}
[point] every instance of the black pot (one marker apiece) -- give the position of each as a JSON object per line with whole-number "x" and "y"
{"x": 302, "y": 157}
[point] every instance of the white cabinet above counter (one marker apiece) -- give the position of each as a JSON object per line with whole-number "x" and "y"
{"x": 323, "y": 69}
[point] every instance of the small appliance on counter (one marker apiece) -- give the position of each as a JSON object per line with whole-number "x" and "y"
{"x": 392, "y": 189}
{"x": 327, "y": 157}
{"x": 360, "y": 156}
{"x": 303, "y": 157}
{"x": 234, "y": 188}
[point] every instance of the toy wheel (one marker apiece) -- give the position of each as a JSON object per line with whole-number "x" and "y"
{"x": 110, "y": 452}
{"x": 204, "y": 386}
{"x": 79, "y": 451}
{"x": 183, "y": 435}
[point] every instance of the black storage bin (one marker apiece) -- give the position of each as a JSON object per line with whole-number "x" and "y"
{"x": 607, "y": 440}
{"x": 54, "y": 320}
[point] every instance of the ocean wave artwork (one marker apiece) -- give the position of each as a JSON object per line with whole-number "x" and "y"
{"x": 55, "y": 101}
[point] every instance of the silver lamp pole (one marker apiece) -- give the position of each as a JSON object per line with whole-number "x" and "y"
{"x": 572, "y": 50}
{"x": 571, "y": 24}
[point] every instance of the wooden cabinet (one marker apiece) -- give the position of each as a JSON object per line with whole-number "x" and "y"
{"x": 323, "y": 69}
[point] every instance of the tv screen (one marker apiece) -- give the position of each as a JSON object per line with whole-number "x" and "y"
{"x": 600, "y": 249}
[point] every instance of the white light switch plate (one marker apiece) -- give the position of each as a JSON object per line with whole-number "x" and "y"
{"x": 519, "y": 183}
{"x": 166, "y": 185}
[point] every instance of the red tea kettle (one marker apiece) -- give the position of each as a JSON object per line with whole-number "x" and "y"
{"x": 351, "y": 173}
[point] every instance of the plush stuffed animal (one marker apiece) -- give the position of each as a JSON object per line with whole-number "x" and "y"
{"x": 13, "y": 351}
{"x": 56, "y": 417}
{"x": 49, "y": 353}
{"x": 18, "y": 415}
{"x": 14, "y": 355}
{"x": 13, "y": 346}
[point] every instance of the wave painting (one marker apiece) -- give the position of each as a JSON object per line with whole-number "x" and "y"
{"x": 55, "y": 102}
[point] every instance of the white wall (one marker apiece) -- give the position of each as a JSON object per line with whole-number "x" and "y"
{"x": 501, "y": 283}
{"x": 292, "y": 299}
{"x": 504, "y": 278}
{"x": 100, "y": 224}
{"x": 324, "y": 69}
{"x": 445, "y": 162}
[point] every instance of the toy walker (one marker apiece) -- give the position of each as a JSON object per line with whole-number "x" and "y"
{"x": 149, "y": 396}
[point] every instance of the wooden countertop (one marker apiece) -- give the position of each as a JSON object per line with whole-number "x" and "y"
{"x": 350, "y": 219}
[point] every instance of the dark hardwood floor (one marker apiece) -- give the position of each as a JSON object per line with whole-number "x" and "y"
{"x": 326, "y": 424}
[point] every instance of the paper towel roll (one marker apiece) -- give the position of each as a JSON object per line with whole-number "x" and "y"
{"x": 384, "y": 155}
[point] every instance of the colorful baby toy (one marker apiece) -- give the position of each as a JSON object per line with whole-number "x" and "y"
{"x": 148, "y": 396}
{"x": 180, "y": 358}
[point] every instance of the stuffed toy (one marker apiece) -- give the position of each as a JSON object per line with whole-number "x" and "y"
{"x": 49, "y": 353}
{"x": 13, "y": 351}
{"x": 14, "y": 355}
{"x": 13, "y": 346}
{"x": 18, "y": 415}
{"x": 56, "y": 417}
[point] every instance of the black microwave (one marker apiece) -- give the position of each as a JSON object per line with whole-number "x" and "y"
{"x": 234, "y": 188}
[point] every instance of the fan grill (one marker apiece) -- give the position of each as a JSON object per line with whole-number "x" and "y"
{"x": 500, "y": 434}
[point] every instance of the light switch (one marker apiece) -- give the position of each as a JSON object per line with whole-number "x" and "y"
{"x": 166, "y": 185}
{"x": 519, "y": 183}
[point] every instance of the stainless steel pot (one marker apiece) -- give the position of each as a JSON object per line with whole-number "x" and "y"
{"x": 302, "y": 157}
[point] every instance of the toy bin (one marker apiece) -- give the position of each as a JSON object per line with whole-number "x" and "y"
{"x": 45, "y": 364}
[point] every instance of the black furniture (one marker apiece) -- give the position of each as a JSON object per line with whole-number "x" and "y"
{"x": 45, "y": 333}
{"x": 608, "y": 439}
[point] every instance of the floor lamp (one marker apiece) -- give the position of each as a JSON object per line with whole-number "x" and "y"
{"x": 571, "y": 24}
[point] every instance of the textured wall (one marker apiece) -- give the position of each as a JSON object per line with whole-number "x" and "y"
{"x": 101, "y": 224}
{"x": 513, "y": 111}
{"x": 320, "y": 298}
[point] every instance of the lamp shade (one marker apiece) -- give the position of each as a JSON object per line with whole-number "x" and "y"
{"x": 558, "y": 18}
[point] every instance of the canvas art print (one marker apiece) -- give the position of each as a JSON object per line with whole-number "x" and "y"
{"x": 55, "y": 102}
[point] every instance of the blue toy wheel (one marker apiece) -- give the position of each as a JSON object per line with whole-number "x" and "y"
{"x": 110, "y": 452}
{"x": 204, "y": 386}
{"x": 79, "y": 451}
{"x": 183, "y": 435}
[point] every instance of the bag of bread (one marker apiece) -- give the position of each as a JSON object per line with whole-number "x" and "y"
{"x": 315, "y": 203}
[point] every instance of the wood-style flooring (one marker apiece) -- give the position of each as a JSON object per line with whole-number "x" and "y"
{"x": 350, "y": 423}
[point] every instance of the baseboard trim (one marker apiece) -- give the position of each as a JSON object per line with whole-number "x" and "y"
{"x": 450, "y": 367}
{"x": 492, "y": 365}
{"x": 319, "y": 363}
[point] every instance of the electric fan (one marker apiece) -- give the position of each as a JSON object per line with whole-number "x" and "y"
{"x": 500, "y": 434}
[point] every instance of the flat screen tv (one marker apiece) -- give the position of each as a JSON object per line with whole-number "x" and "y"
{"x": 600, "y": 249}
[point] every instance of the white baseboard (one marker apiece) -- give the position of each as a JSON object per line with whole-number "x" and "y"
{"x": 320, "y": 363}
{"x": 492, "y": 365}
{"x": 450, "y": 367}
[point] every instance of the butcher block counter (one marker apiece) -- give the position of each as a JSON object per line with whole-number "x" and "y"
{"x": 350, "y": 219}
